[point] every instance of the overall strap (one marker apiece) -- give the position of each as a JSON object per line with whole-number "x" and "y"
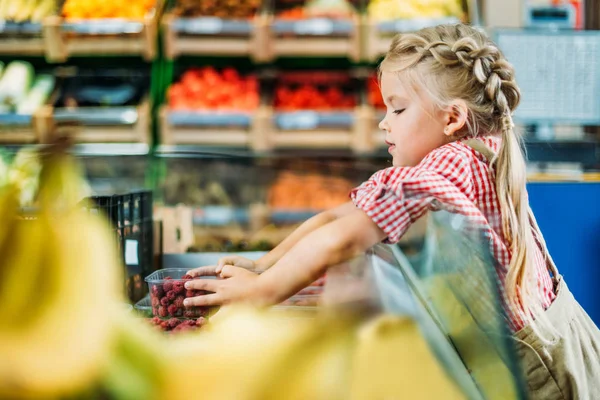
{"x": 489, "y": 154}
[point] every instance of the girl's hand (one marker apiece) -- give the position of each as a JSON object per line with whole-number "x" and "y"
{"x": 236, "y": 285}
{"x": 232, "y": 260}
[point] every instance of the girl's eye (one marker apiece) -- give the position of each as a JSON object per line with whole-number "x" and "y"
{"x": 397, "y": 112}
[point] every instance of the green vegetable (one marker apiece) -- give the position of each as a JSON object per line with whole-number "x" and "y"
{"x": 37, "y": 96}
{"x": 15, "y": 83}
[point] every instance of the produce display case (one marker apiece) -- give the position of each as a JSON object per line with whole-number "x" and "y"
{"x": 386, "y": 18}
{"x": 211, "y": 107}
{"x": 251, "y": 203}
{"x": 103, "y": 27}
{"x": 224, "y": 27}
{"x": 99, "y": 106}
{"x": 317, "y": 109}
{"x": 308, "y": 28}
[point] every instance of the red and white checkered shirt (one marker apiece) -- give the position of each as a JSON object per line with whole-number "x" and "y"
{"x": 458, "y": 179}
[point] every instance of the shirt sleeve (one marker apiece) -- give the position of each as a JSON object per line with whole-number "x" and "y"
{"x": 396, "y": 197}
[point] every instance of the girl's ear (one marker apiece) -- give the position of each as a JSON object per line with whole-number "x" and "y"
{"x": 455, "y": 117}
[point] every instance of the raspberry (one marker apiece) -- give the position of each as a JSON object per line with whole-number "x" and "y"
{"x": 164, "y": 302}
{"x": 178, "y": 287}
{"x": 165, "y": 325}
{"x": 179, "y": 301}
{"x": 162, "y": 312}
{"x": 190, "y": 293}
{"x": 171, "y": 295}
{"x": 173, "y": 309}
{"x": 190, "y": 314}
{"x": 201, "y": 292}
{"x": 173, "y": 322}
{"x": 155, "y": 301}
{"x": 168, "y": 285}
{"x": 156, "y": 321}
{"x": 158, "y": 291}
{"x": 201, "y": 321}
{"x": 187, "y": 277}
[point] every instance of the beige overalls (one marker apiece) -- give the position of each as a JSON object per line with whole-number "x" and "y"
{"x": 568, "y": 367}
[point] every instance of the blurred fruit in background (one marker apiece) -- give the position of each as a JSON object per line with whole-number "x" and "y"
{"x": 374, "y": 92}
{"x": 26, "y": 10}
{"x": 229, "y": 9}
{"x": 100, "y": 9}
{"x": 315, "y": 90}
{"x": 209, "y": 89}
{"x": 296, "y": 10}
{"x": 387, "y": 10}
{"x": 308, "y": 192}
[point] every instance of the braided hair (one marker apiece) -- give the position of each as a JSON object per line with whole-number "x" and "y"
{"x": 459, "y": 62}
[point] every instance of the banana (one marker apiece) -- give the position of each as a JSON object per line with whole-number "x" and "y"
{"x": 135, "y": 365}
{"x": 26, "y": 11}
{"x": 275, "y": 358}
{"x": 44, "y": 9}
{"x": 3, "y": 4}
{"x": 19, "y": 286}
{"x": 61, "y": 344}
{"x": 394, "y": 361}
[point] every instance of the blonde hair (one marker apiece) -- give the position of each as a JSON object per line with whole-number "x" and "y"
{"x": 458, "y": 62}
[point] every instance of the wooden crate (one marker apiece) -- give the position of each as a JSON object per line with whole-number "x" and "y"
{"x": 48, "y": 126}
{"x": 17, "y": 133}
{"x": 252, "y": 135}
{"x": 314, "y": 38}
{"x": 101, "y": 37}
{"x": 21, "y": 39}
{"x": 211, "y": 37}
{"x": 314, "y": 130}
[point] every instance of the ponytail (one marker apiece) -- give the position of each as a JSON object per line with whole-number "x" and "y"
{"x": 522, "y": 291}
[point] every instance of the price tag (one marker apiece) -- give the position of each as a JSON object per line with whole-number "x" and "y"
{"x": 299, "y": 120}
{"x": 207, "y": 25}
{"x": 131, "y": 252}
{"x": 315, "y": 26}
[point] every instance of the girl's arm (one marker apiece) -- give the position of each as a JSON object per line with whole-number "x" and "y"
{"x": 329, "y": 245}
{"x": 308, "y": 226}
{"x": 269, "y": 259}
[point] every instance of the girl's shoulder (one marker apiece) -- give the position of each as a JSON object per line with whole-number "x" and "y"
{"x": 459, "y": 152}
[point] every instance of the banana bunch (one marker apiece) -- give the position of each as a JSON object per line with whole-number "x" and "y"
{"x": 26, "y": 10}
{"x": 59, "y": 289}
{"x": 252, "y": 355}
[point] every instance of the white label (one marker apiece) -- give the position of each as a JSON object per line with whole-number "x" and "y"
{"x": 315, "y": 26}
{"x": 131, "y": 252}
{"x": 204, "y": 25}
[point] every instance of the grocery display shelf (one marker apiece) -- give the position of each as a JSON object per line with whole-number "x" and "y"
{"x": 378, "y": 35}
{"x": 21, "y": 38}
{"x": 215, "y": 36}
{"x": 321, "y": 129}
{"x": 129, "y": 124}
{"x": 214, "y": 128}
{"x": 17, "y": 129}
{"x": 314, "y": 37}
{"x": 100, "y": 37}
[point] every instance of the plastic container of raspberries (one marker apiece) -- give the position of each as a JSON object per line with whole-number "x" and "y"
{"x": 167, "y": 293}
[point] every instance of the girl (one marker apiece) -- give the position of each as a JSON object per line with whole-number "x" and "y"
{"x": 450, "y": 94}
